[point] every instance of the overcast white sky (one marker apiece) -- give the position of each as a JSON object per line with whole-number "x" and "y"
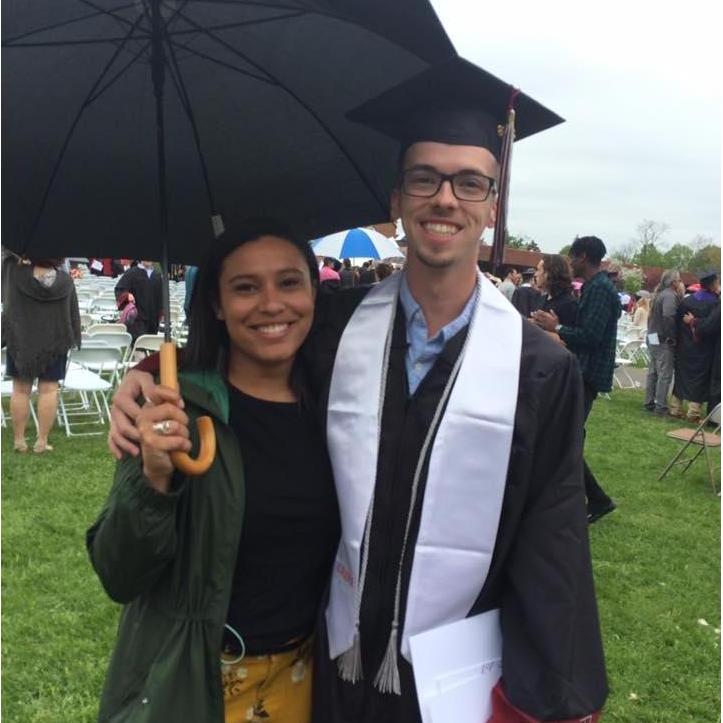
{"x": 639, "y": 84}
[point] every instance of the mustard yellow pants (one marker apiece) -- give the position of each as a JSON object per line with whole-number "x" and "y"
{"x": 269, "y": 688}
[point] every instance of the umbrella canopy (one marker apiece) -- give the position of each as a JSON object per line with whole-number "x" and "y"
{"x": 358, "y": 243}
{"x": 241, "y": 103}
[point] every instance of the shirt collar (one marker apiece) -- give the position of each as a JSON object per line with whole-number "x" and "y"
{"x": 414, "y": 315}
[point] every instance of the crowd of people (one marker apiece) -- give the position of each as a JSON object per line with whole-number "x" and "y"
{"x": 340, "y": 274}
{"x": 680, "y": 327}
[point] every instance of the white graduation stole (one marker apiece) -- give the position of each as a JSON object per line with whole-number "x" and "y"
{"x": 467, "y": 471}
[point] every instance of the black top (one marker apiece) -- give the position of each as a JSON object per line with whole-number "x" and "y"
{"x": 564, "y": 305}
{"x": 540, "y": 573}
{"x": 291, "y": 526}
{"x": 147, "y": 292}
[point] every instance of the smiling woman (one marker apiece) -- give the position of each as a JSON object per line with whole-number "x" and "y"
{"x": 257, "y": 293}
{"x": 222, "y": 575}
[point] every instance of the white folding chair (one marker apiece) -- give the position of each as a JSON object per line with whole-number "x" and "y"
{"x": 116, "y": 340}
{"x": 144, "y": 345}
{"x": 84, "y": 385}
{"x": 625, "y": 358}
{"x": 6, "y": 390}
{"x": 103, "y": 305}
{"x": 115, "y": 328}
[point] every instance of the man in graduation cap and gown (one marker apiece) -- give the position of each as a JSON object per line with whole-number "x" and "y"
{"x": 455, "y": 434}
{"x": 693, "y": 352}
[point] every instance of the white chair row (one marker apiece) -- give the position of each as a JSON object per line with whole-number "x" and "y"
{"x": 92, "y": 373}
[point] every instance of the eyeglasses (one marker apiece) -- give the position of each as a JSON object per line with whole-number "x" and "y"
{"x": 466, "y": 186}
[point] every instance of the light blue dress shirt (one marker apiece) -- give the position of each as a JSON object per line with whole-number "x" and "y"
{"x": 423, "y": 352}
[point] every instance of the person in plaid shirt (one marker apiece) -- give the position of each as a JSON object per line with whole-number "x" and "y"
{"x": 592, "y": 340}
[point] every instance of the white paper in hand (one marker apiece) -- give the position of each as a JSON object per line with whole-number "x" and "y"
{"x": 456, "y": 666}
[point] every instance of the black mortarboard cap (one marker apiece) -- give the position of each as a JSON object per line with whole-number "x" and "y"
{"x": 706, "y": 275}
{"x": 453, "y": 102}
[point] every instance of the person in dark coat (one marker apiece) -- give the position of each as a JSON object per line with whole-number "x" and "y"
{"x": 660, "y": 335}
{"x": 348, "y": 275}
{"x": 405, "y": 502}
{"x": 694, "y": 355}
{"x": 41, "y": 324}
{"x": 367, "y": 276}
{"x": 708, "y": 328}
{"x": 142, "y": 285}
{"x": 527, "y": 297}
{"x": 592, "y": 338}
{"x": 234, "y": 563}
{"x": 554, "y": 280}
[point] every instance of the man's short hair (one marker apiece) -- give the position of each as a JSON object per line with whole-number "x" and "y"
{"x": 589, "y": 246}
{"x": 509, "y": 270}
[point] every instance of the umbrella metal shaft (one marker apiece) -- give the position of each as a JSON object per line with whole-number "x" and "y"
{"x": 158, "y": 62}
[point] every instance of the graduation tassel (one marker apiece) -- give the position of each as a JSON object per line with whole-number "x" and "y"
{"x": 349, "y": 663}
{"x": 387, "y": 680}
{"x": 507, "y": 132}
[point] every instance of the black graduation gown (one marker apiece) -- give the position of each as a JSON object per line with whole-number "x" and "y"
{"x": 693, "y": 357}
{"x": 541, "y": 574}
{"x": 147, "y": 293}
{"x": 709, "y": 328}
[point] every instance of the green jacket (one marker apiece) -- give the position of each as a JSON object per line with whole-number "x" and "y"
{"x": 169, "y": 559}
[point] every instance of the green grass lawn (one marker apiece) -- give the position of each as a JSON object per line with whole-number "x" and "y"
{"x": 656, "y": 560}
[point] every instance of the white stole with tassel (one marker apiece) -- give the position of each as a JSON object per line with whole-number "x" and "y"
{"x": 467, "y": 470}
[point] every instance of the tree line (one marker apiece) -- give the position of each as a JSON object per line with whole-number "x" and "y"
{"x": 650, "y": 248}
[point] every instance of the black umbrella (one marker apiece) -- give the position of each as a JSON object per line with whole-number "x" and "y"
{"x": 142, "y": 129}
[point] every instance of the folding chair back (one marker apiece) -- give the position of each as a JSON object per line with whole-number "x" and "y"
{"x": 714, "y": 416}
{"x": 104, "y": 304}
{"x": 148, "y": 343}
{"x": 83, "y": 392}
{"x": 117, "y": 328}
{"x": 143, "y": 346}
{"x": 118, "y": 339}
{"x": 630, "y": 349}
{"x": 702, "y": 440}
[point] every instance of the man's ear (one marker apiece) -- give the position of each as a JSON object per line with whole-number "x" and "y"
{"x": 395, "y": 205}
{"x": 493, "y": 214}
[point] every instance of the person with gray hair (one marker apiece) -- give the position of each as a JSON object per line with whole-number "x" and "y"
{"x": 661, "y": 343}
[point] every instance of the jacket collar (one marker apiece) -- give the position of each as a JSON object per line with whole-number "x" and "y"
{"x": 207, "y": 390}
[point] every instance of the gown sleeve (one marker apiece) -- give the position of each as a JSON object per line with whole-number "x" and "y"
{"x": 552, "y": 661}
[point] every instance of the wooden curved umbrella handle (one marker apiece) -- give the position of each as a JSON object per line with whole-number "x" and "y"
{"x": 182, "y": 461}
